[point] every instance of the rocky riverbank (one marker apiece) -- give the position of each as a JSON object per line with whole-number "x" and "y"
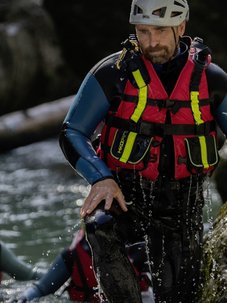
{"x": 214, "y": 288}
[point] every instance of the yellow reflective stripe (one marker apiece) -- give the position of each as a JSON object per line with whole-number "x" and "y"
{"x": 141, "y": 104}
{"x": 128, "y": 147}
{"x": 198, "y": 120}
{"x": 203, "y": 148}
{"x": 195, "y": 107}
{"x": 139, "y": 79}
{"x": 142, "y": 98}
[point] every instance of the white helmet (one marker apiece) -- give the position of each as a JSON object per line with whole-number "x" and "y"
{"x": 159, "y": 12}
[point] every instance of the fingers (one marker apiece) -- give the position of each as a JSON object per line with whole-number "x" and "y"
{"x": 121, "y": 200}
{"x": 90, "y": 203}
{"x": 104, "y": 190}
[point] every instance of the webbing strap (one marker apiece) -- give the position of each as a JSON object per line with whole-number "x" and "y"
{"x": 142, "y": 100}
{"x": 198, "y": 120}
{"x": 160, "y": 129}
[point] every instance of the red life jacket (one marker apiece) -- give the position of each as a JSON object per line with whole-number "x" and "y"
{"x": 132, "y": 136}
{"x": 83, "y": 285}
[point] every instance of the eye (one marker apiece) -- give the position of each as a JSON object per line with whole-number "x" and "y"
{"x": 162, "y": 29}
{"x": 143, "y": 31}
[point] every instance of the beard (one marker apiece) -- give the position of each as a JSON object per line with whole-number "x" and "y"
{"x": 158, "y": 55}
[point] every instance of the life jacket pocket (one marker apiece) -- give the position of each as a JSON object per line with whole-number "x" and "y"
{"x": 201, "y": 152}
{"x": 130, "y": 147}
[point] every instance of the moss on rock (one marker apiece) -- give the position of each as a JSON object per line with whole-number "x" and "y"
{"x": 214, "y": 288}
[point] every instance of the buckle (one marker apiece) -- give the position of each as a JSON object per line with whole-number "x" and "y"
{"x": 169, "y": 103}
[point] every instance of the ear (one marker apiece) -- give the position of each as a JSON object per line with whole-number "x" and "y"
{"x": 181, "y": 28}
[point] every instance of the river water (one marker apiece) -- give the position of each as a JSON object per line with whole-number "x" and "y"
{"x": 40, "y": 197}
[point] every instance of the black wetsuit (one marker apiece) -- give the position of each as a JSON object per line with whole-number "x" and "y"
{"x": 167, "y": 214}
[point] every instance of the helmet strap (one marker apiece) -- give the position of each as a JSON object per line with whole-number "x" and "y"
{"x": 176, "y": 43}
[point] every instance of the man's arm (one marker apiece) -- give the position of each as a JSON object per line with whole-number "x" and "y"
{"x": 221, "y": 115}
{"x": 13, "y": 266}
{"x": 217, "y": 82}
{"x": 56, "y": 276}
{"x": 88, "y": 110}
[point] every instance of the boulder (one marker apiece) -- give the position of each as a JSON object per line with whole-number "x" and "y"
{"x": 32, "y": 67}
{"x": 214, "y": 287}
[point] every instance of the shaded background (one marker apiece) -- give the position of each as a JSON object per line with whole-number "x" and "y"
{"x": 48, "y": 46}
{"x": 93, "y": 29}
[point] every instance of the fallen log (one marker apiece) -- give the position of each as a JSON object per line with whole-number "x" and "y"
{"x": 32, "y": 125}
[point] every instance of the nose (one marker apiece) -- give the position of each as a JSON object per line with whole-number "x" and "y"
{"x": 153, "y": 39}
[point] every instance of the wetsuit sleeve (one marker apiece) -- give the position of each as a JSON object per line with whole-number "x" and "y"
{"x": 221, "y": 115}
{"x": 87, "y": 111}
{"x": 13, "y": 266}
{"x": 56, "y": 276}
{"x": 217, "y": 81}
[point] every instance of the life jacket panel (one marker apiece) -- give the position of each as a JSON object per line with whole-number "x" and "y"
{"x": 83, "y": 280}
{"x": 114, "y": 138}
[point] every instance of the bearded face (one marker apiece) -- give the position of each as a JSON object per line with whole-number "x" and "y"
{"x": 158, "y": 44}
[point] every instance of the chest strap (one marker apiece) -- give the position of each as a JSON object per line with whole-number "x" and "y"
{"x": 172, "y": 105}
{"x": 160, "y": 129}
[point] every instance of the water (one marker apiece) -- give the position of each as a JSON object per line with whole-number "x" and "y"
{"x": 40, "y": 197}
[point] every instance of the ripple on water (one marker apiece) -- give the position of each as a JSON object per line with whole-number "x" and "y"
{"x": 39, "y": 209}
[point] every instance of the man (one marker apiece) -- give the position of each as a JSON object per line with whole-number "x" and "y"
{"x": 159, "y": 100}
{"x": 74, "y": 264}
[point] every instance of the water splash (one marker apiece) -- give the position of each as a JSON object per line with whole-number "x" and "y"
{"x": 208, "y": 205}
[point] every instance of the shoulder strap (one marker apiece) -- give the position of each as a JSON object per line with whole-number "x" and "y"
{"x": 200, "y": 53}
{"x": 130, "y": 46}
{"x": 130, "y": 61}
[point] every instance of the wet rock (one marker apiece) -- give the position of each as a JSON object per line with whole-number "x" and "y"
{"x": 214, "y": 288}
{"x": 32, "y": 67}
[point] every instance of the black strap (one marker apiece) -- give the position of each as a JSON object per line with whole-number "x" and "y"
{"x": 158, "y": 129}
{"x": 196, "y": 77}
{"x": 201, "y": 61}
{"x": 173, "y": 105}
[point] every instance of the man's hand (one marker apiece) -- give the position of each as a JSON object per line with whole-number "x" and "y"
{"x": 103, "y": 190}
